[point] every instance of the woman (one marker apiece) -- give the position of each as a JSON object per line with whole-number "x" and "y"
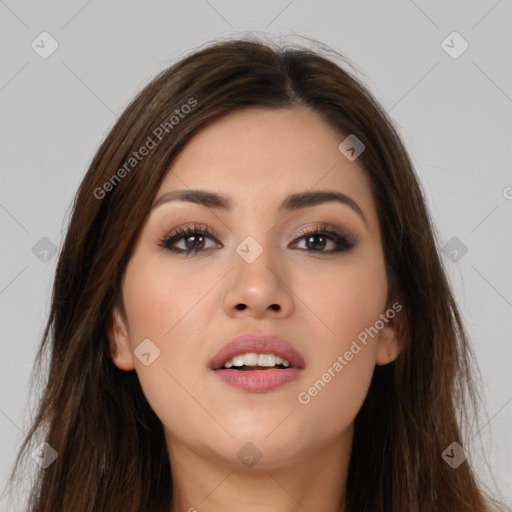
{"x": 249, "y": 309}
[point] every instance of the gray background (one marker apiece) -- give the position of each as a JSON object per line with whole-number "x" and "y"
{"x": 454, "y": 115}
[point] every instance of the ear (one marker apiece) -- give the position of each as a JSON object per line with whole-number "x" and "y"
{"x": 391, "y": 338}
{"x": 119, "y": 341}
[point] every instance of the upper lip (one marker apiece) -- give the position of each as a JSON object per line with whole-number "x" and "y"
{"x": 260, "y": 344}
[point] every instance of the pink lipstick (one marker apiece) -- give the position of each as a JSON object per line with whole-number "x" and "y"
{"x": 257, "y": 363}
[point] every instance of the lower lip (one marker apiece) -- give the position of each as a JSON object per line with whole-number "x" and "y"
{"x": 258, "y": 381}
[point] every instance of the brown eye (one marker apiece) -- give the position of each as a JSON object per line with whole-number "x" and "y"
{"x": 194, "y": 239}
{"x": 317, "y": 239}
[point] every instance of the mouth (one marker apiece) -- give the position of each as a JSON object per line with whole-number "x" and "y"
{"x": 257, "y": 363}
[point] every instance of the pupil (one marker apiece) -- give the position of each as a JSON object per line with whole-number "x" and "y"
{"x": 321, "y": 245}
{"x": 191, "y": 237}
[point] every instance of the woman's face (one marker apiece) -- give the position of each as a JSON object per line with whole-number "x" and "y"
{"x": 321, "y": 293}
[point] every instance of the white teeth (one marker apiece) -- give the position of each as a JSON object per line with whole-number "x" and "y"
{"x": 253, "y": 359}
{"x": 238, "y": 361}
{"x": 266, "y": 360}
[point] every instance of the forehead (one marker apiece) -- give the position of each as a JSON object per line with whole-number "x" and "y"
{"x": 258, "y": 155}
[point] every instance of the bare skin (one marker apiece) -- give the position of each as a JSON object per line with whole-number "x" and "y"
{"x": 187, "y": 307}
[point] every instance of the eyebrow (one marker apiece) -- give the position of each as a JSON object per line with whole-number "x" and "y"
{"x": 292, "y": 202}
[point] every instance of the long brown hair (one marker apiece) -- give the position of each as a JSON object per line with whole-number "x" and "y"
{"x": 110, "y": 444}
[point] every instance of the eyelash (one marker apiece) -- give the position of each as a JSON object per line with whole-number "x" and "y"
{"x": 344, "y": 242}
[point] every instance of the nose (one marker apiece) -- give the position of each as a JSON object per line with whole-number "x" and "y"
{"x": 257, "y": 287}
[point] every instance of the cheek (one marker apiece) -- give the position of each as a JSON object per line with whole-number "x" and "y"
{"x": 168, "y": 307}
{"x": 349, "y": 301}
{"x": 173, "y": 309}
{"x": 159, "y": 297}
{"x": 346, "y": 298}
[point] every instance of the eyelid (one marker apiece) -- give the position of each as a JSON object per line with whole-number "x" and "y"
{"x": 166, "y": 233}
{"x": 342, "y": 230}
{"x": 344, "y": 240}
